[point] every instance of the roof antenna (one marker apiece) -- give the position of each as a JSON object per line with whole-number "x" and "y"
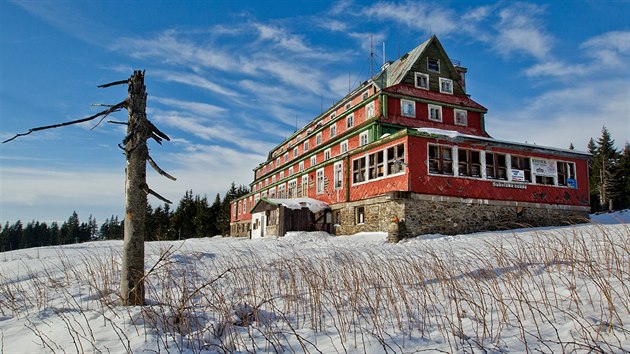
{"x": 371, "y": 56}
{"x": 384, "y": 61}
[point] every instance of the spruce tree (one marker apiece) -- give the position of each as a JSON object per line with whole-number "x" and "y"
{"x": 603, "y": 165}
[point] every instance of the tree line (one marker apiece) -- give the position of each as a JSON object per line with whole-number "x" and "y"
{"x": 609, "y": 174}
{"x": 194, "y": 216}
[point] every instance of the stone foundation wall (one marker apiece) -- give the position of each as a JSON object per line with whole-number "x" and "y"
{"x": 421, "y": 214}
{"x": 240, "y": 229}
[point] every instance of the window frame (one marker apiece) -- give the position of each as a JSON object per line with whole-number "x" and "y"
{"x": 443, "y": 81}
{"x": 408, "y": 103}
{"x": 438, "y": 109}
{"x": 327, "y": 154}
{"x": 313, "y": 160}
{"x": 350, "y": 121}
{"x": 342, "y": 145}
{"x": 457, "y": 112}
{"x": 338, "y": 175}
{"x": 332, "y": 130}
{"x": 359, "y": 215}
{"x": 425, "y": 77}
{"x": 364, "y": 138}
{"x": 319, "y": 139}
{"x": 319, "y": 181}
{"x": 440, "y": 160}
{"x": 429, "y": 64}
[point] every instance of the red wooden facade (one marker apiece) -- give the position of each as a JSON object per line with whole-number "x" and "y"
{"x": 412, "y": 128}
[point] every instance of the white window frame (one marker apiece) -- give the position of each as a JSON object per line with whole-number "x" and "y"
{"x": 411, "y": 105}
{"x": 286, "y": 157}
{"x": 291, "y": 171}
{"x": 449, "y": 86}
{"x": 305, "y": 145}
{"x": 423, "y": 76}
{"x": 364, "y": 138}
{"x": 438, "y": 109}
{"x": 304, "y": 186}
{"x": 463, "y": 120}
{"x": 273, "y": 179}
{"x": 333, "y": 130}
{"x": 338, "y": 175}
{"x": 319, "y": 181}
{"x": 429, "y": 67}
{"x": 350, "y": 121}
{"x": 282, "y": 190}
{"x": 327, "y": 154}
{"x": 281, "y": 175}
{"x": 301, "y": 166}
{"x": 318, "y": 139}
{"x": 313, "y": 160}
{"x": 343, "y": 147}
{"x": 292, "y": 189}
{"x": 370, "y": 111}
{"x": 295, "y": 152}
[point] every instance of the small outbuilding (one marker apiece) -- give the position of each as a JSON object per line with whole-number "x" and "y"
{"x": 276, "y": 217}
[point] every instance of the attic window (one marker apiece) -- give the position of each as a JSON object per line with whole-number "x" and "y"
{"x": 348, "y": 106}
{"x": 446, "y": 85}
{"x": 422, "y": 81}
{"x": 433, "y": 65}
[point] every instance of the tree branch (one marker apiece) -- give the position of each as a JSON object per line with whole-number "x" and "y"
{"x": 148, "y": 190}
{"x": 158, "y": 132}
{"x": 114, "y": 108}
{"x": 121, "y": 82}
{"x": 159, "y": 170}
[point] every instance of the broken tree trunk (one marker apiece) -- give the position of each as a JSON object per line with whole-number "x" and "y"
{"x": 138, "y": 131}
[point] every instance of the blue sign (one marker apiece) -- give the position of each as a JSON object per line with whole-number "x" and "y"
{"x": 571, "y": 183}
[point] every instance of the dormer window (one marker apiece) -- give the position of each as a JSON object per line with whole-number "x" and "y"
{"x": 446, "y": 86}
{"x": 348, "y": 106}
{"x": 422, "y": 81}
{"x": 433, "y": 65}
{"x": 435, "y": 113}
{"x": 408, "y": 108}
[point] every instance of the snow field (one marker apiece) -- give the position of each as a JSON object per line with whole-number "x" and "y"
{"x": 532, "y": 290}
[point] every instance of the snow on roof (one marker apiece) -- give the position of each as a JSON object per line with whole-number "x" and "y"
{"x": 455, "y": 134}
{"x": 298, "y": 203}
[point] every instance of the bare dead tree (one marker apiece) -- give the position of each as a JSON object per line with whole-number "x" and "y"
{"x": 139, "y": 130}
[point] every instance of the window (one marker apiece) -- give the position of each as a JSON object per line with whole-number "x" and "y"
{"x": 318, "y": 139}
{"x": 326, "y": 154}
{"x": 440, "y": 160}
{"x": 369, "y": 110}
{"x": 461, "y": 117}
{"x": 281, "y": 175}
{"x": 544, "y": 171}
{"x": 343, "y": 147}
{"x": 319, "y": 181}
{"x": 446, "y": 85}
{"x": 333, "y": 130}
{"x": 292, "y": 190}
{"x": 333, "y": 115}
{"x": 376, "y": 165}
{"x": 338, "y": 175}
{"x": 496, "y": 166}
{"x": 433, "y": 65}
{"x": 364, "y": 138}
{"x": 469, "y": 163}
{"x": 264, "y": 170}
{"x": 521, "y": 169}
{"x": 359, "y": 170}
{"x": 435, "y": 113}
{"x": 286, "y": 157}
{"x": 272, "y": 193}
{"x": 295, "y": 152}
{"x": 350, "y": 121}
{"x": 395, "y": 159}
{"x": 273, "y": 179}
{"x": 282, "y": 191}
{"x": 422, "y": 81}
{"x": 290, "y": 170}
{"x": 313, "y": 160}
{"x": 304, "y": 186}
{"x": 566, "y": 174}
{"x": 359, "y": 215}
{"x": 305, "y": 145}
{"x": 301, "y": 166}
{"x": 408, "y": 108}
{"x": 348, "y": 105}
{"x": 365, "y": 96}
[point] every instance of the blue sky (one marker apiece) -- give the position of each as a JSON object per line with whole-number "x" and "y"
{"x": 228, "y": 80}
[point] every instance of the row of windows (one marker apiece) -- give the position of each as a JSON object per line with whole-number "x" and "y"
{"x": 379, "y": 164}
{"x": 434, "y": 112}
{"x": 343, "y": 148}
{"x": 491, "y": 165}
{"x": 319, "y": 139}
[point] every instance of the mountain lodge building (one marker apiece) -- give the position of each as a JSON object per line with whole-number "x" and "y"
{"x": 409, "y": 148}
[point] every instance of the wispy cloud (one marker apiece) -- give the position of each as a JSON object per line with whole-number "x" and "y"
{"x": 520, "y": 31}
{"x": 420, "y": 16}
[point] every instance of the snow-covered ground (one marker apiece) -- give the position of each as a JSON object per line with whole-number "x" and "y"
{"x": 546, "y": 290}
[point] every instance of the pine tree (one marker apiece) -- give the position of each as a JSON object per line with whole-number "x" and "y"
{"x": 603, "y": 178}
{"x": 623, "y": 177}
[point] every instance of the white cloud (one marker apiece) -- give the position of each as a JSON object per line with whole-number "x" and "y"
{"x": 520, "y": 31}
{"x": 610, "y": 49}
{"x": 424, "y": 17}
